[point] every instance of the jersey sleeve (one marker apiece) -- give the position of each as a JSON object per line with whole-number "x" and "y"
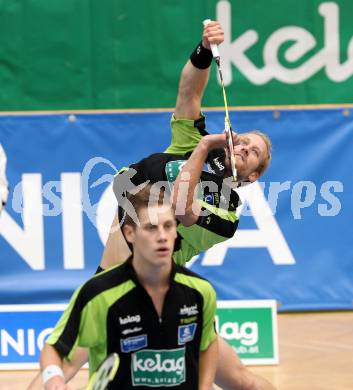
{"x": 71, "y": 330}
{"x": 64, "y": 336}
{"x": 214, "y": 226}
{"x": 209, "y": 312}
{"x": 186, "y": 134}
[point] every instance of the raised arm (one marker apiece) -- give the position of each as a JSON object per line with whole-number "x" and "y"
{"x": 195, "y": 74}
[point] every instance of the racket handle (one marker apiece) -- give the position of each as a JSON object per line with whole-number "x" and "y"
{"x": 214, "y": 47}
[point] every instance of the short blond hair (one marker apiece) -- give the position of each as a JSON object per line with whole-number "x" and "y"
{"x": 266, "y": 161}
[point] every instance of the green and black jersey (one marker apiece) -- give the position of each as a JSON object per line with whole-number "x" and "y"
{"x": 112, "y": 312}
{"x": 219, "y": 202}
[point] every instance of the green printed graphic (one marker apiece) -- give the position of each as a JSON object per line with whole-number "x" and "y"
{"x": 156, "y": 368}
{"x": 300, "y": 53}
{"x": 249, "y": 330}
{"x": 173, "y": 168}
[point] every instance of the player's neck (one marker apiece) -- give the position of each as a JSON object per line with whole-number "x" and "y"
{"x": 152, "y": 276}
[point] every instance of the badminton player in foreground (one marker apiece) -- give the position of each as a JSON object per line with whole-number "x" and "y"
{"x": 156, "y": 315}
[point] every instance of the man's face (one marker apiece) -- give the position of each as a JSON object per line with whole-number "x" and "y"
{"x": 250, "y": 152}
{"x": 153, "y": 241}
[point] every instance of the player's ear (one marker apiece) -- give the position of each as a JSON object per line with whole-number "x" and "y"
{"x": 129, "y": 233}
{"x": 253, "y": 176}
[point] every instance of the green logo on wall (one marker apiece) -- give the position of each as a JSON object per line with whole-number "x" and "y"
{"x": 303, "y": 44}
{"x": 155, "y": 368}
{"x": 296, "y": 65}
{"x": 248, "y": 326}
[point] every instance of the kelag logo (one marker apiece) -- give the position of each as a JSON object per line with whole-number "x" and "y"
{"x": 23, "y": 331}
{"x": 250, "y": 328}
{"x": 295, "y": 65}
{"x": 157, "y": 368}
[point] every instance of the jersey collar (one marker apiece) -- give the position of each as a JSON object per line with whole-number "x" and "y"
{"x": 133, "y": 275}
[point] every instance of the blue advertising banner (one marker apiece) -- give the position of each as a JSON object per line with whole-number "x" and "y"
{"x": 294, "y": 239}
{"x": 250, "y": 327}
{"x": 23, "y": 331}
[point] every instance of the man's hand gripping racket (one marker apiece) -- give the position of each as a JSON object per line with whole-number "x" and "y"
{"x": 227, "y": 125}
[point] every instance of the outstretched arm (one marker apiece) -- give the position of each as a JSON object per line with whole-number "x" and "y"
{"x": 193, "y": 78}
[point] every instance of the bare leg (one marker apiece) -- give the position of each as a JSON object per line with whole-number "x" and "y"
{"x": 70, "y": 368}
{"x": 116, "y": 250}
{"x": 233, "y": 375}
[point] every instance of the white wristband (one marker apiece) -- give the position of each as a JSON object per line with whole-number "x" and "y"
{"x": 51, "y": 371}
